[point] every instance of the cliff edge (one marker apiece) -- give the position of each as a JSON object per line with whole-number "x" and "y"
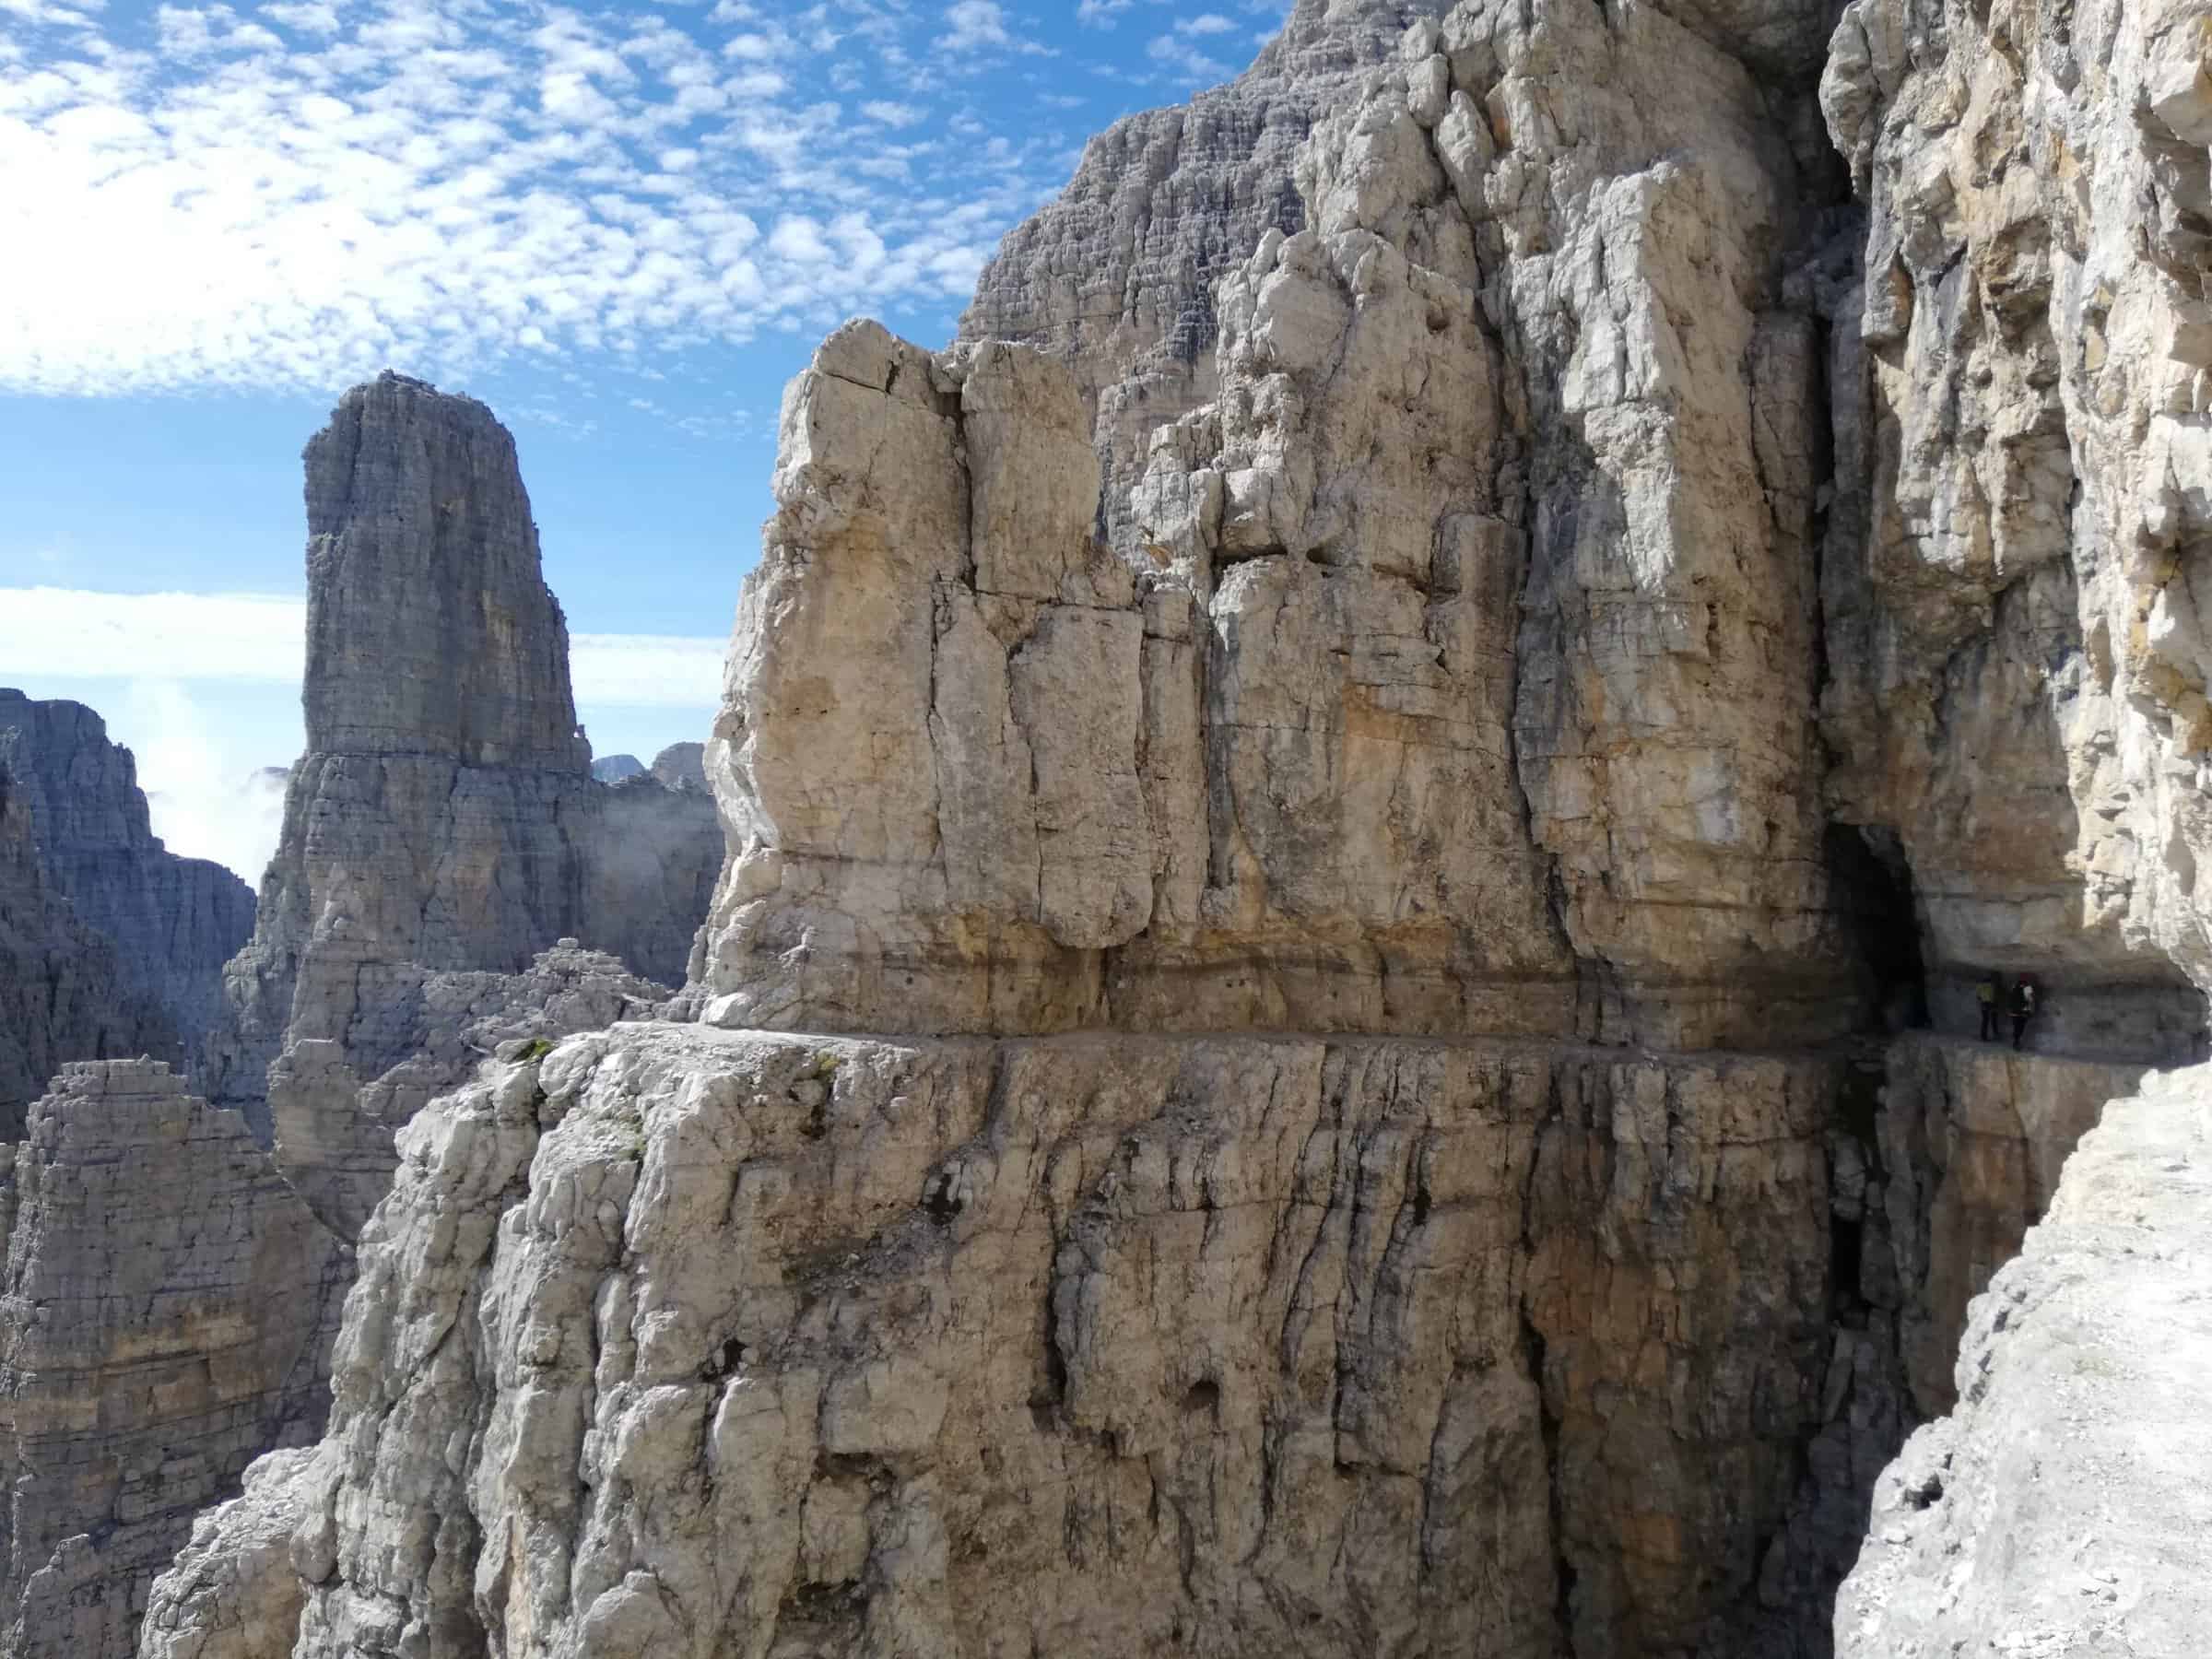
{"x": 2061, "y": 1509}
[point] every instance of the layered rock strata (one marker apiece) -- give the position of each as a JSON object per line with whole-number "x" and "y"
{"x": 1115, "y": 277}
{"x": 2061, "y": 1508}
{"x": 158, "y": 1329}
{"x": 444, "y": 819}
{"x": 1465, "y": 679}
{"x": 173, "y": 921}
{"x": 1584, "y": 584}
{"x": 1093, "y": 1344}
{"x": 64, "y": 995}
{"x": 2019, "y": 347}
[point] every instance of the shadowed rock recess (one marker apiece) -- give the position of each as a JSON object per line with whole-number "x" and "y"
{"x": 135, "y": 937}
{"x": 62, "y": 995}
{"x": 1358, "y": 837}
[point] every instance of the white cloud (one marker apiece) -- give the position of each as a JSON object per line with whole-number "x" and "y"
{"x": 1205, "y": 23}
{"x": 51, "y": 630}
{"x": 1185, "y": 60}
{"x": 261, "y": 639}
{"x": 646, "y": 670}
{"x": 972, "y": 24}
{"x": 206, "y": 800}
{"x": 300, "y": 193}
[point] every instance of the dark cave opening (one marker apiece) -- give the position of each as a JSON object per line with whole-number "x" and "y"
{"x": 1871, "y": 888}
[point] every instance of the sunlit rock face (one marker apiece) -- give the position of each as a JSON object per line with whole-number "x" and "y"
{"x": 1463, "y": 678}
{"x": 2063, "y": 1502}
{"x": 1294, "y": 1049}
{"x": 1116, "y": 276}
{"x": 170, "y": 923}
{"x": 444, "y": 819}
{"x": 2017, "y": 669}
{"x": 1099, "y": 1345}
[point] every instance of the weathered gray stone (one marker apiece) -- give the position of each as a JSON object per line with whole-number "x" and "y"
{"x": 1567, "y": 577}
{"x": 173, "y": 921}
{"x": 1115, "y": 277}
{"x": 443, "y": 818}
{"x": 681, "y": 766}
{"x": 64, "y": 995}
{"x": 233, "y": 1590}
{"x": 613, "y": 769}
{"x": 1095, "y": 1344}
{"x": 164, "y": 1318}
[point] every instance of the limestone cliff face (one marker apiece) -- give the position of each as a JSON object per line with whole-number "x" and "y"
{"x": 1465, "y": 674}
{"x": 1391, "y": 879}
{"x": 173, "y": 921}
{"x": 1093, "y": 1344}
{"x": 1116, "y": 276}
{"x": 445, "y": 844}
{"x": 443, "y": 818}
{"x": 2061, "y": 1509}
{"x": 1044, "y": 791}
{"x": 430, "y": 630}
{"x": 63, "y": 992}
{"x": 158, "y": 1330}
{"x": 2018, "y": 668}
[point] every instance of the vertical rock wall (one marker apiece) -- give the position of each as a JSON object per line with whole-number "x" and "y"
{"x": 443, "y": 818}
{"x": 1581, "y": 583}
{"x": 173, "y": 921}
{"x": 159, "y": 1327}
{"x": 1092, "y": 1345}
{"x": 1115, "y": 277}
{"x": 2017, "y": 665}
{"x": 1464, "y": 678}
{"x": 2061, "y": 1508}
{"x": 63, "y": 992}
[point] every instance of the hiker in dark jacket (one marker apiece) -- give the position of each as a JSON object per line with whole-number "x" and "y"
{"x": 2023, "y": 1007}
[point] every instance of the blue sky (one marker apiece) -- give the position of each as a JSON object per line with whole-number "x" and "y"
{"x": 623, "y": 227}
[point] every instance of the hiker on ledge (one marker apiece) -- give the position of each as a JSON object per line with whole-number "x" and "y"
{"x": 2023, "y": 1007}
{"x": 1987, "y": 994}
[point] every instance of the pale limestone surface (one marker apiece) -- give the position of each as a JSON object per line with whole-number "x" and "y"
{"x": 1968, "y": 1150}
{"x": 1115, "y": 277}
{"x": 2014, "y": 645}
{"x": 1472, "y": 384}
{"x": 1089, "y": 1345}
{"x": 1450, "y": 660}
{"x": 334, "y": 1132}
{"x": 233, "y": 1589}
{"x": 1462, "y": 678}
{"x": 2062, "y": 1512}
{"x": 442, "y": 839}
{"x": 165, "y": 1316}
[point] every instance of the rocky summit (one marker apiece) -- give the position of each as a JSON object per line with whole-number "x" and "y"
{"x": 1321, "y": 989}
